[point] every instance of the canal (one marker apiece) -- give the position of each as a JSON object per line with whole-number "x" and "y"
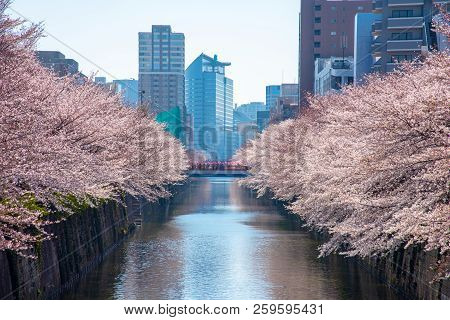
{"x": 215, "y": 240}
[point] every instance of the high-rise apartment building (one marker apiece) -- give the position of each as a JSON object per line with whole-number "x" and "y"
{"x": 209, "y": 103}
{"x": 325, "y": 31}
{"x": 161, "y": 73}
{"x": 403, "y": 33}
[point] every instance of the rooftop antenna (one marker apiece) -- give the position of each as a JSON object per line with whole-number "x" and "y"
{"x": 344, "y": 44}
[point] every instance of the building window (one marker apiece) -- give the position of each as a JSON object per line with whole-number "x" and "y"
{"x": 400, "y": 58}
{"x": 333, "y": 20}
{"x": 317, "y": 44}
{"x": 317, "y": 20}
{"x": 360, "y": 8}
{"x": 333, "y": 8}
{"x": 333, "y": 33}
{"x": 402, "y": 36}
{"x": 402, "y": 13}
{"x": 317, "y": 32}
{"x": 336, "y": 82}
{"x": 317, "y": 7}
{"x": 316, "y": 56}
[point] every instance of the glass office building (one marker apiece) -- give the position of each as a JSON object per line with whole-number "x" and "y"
{"x": 272, "y": 95}
{"x": 209, "y": 104}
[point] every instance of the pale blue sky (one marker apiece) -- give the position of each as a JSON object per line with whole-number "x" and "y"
{"x": 259, "y": 37}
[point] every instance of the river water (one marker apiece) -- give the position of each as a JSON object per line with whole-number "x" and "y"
{"x": 215, "y": 240}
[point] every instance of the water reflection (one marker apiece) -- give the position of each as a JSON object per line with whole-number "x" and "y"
{"x": 220, "y": 242}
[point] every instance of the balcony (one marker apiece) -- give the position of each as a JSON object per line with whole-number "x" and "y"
{"x": 376, "y": 47}
{"x": 343, "y": 65}
{"x": 377, "y": 6}
{"x": 401, "y": 3}
{"x": 405, "y": 23}
{"x": 390, "y": 66}
{"x": 404, "y": 45}
{"x": 377, "y": 66}
{"x": 377, "y": 26}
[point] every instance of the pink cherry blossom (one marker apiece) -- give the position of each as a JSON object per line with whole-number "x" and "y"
{"x": 60, "y": 139}
{"x": 370, "y": 165}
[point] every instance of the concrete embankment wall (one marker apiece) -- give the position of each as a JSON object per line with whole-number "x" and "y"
{"x": 410, "y": 272}
{"x": 80, "y": 243}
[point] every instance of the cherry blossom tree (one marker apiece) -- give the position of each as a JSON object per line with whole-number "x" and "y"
{"x": 441, "y": 21}
{"x": 61, "y": 140}
{"x": 370, "y": 166}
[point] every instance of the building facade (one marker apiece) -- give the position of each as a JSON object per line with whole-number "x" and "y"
{"x": 362, "y": 52}
{"x": 57, "y": 62}
{"x": 161, "y": 74}
{"x": 332, "y": 74}
{"x": 287, "y": 104}
{"x": 209, "y": 104}
{"x": 262, "y": 120}
{"x": 273, "y": 92}
{"x": 326, "y": 29}
{"x": 251, "y": 109}
{"x": 244, "y": 129}
{"x": 129, "y": 89}
{"x": 245, "y": 123}
{"x": 289, "y": 91}
{"x": 403, "y": 33}
{"x": 100, "y": 80}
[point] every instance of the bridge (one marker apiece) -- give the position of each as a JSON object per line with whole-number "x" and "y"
{"x": 218, "y": 173}
{"x": 217, "y": 169}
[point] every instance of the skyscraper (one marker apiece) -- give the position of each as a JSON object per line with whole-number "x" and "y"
{"x": 161, "y": 74}
{"x": 209, "y": 103}
{"x": 325, "y": 30}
